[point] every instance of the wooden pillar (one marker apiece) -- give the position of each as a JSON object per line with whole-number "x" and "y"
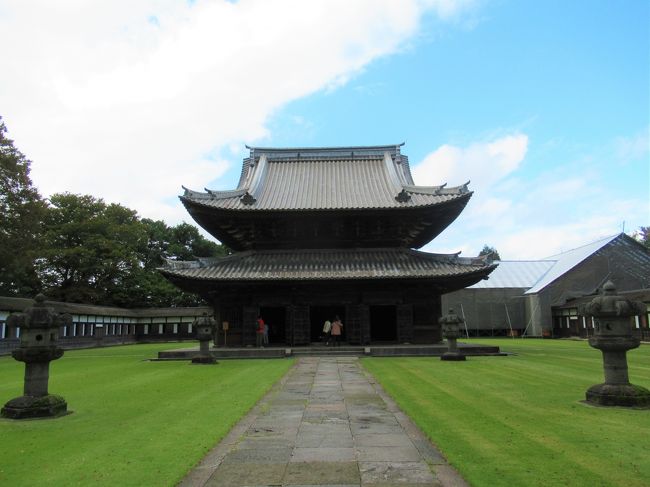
{"x": 405, "y": 323}
{"x": 437, "y": 306}
{"x": 364, "y": 312}
{"x": 216, "y": 310}
{"x": 357, "y": 317}
{"x": 300, "y": 324}
{"x": 249, "y": 324}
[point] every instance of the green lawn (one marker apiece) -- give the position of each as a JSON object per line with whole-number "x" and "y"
{"x": 135, "y": 422}
{"x": 517, "y": 420}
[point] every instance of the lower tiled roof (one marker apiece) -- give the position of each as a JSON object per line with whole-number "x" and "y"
{"x": 328, "y": 264}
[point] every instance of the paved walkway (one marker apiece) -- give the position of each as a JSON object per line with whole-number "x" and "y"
{"x": 327, "y": 423}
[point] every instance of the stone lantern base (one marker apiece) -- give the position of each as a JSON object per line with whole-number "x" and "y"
{"x": 26, "y": 407}
{"x": 204, "y": 360}
{"x": 453, "y": 356}
{"x": 625, "y": 395}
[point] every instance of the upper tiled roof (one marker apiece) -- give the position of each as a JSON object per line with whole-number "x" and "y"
{"x": 328, "y": 264}
{"x": 325, "y": 179}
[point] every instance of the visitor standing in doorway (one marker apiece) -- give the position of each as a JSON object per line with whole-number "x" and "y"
{"x": 337, "y": 326}
{"x": 259, "y": 331}
{"x": 327, "y": 327}
{"x": 266, "y": 333}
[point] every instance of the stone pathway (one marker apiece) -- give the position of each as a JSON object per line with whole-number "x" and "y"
{"x": 327, "y": 423}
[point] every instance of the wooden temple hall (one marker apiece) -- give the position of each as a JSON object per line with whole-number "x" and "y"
{"x": 320, "y": 232}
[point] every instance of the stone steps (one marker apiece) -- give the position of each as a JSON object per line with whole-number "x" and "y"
{"x": 323, "y": 351}
{"x": 328, "y": 352}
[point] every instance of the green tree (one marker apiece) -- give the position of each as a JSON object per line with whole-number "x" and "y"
{"x": 181, "y": 242}
{"x": 490, "y": 252}
{"x": 643, "y": 236}
{"x": 21, "y": 210}
{"x": 90, "y": 249}
{"x": 101, "y": 253}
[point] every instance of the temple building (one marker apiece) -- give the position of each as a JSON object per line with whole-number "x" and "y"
{"x": 320, "y": 232}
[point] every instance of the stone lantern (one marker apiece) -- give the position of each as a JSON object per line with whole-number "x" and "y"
{"x": 451, "y": 324}
{"x": 205, "y": 327}
{"x": 39, "y": 326}
{"x": 613, "y": 337}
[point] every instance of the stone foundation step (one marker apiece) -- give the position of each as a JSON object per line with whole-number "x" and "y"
{"x": 328, "y": 352}
{"x": 434, "y": 350}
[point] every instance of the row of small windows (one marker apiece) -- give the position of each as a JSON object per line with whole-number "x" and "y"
{"x": 82, "y": 329}
{"x": 570, "y": 315}
{"x": 100, "y": 319}
{"x": 126, "y": 320}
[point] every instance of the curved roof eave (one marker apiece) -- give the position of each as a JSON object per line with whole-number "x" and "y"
{"x": 189, "y": 199}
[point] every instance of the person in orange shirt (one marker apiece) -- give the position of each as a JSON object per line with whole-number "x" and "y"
{"x": 260, "y": 332}
{"x": 337, "y": 327}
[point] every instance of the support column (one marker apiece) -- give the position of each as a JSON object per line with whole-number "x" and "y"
{"x": 405, "y": 323}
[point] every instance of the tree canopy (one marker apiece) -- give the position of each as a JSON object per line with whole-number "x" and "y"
{"x": 490, "y": 252}
{"x": 78, "y": 248}
{"x": 100, "y": 253}
{"x": 643, "y": 236}
{"x": 89, "y": 249}
{"x": 21, "y": 211}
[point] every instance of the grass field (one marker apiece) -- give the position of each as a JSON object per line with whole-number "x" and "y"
{"x": 135, "y": 422}
{"x": 517, "y": 420}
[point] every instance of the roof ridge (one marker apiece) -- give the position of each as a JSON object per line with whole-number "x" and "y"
{"x": 323, "y": 158}
{"x": 608, "y": 238}
{"x": 526, "y": 260}
{"x": 327, "y": 148}
{"x": 438, "y": 190}
{"x": 562, "y": 260}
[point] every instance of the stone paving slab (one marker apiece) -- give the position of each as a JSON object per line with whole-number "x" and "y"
{"x": 396, "y": 472}
{"x": 327, "y": 423}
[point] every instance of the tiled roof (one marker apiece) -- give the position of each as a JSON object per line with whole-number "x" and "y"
{"x": 328, "y": 264}
{"x": 324, "y": 179}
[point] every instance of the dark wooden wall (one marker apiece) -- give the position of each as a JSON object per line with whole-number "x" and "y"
{"x": 417, "y": 309}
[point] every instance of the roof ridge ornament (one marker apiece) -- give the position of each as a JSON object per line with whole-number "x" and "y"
{"x": 403, "y": 196}
{"x": 247, "y": 199}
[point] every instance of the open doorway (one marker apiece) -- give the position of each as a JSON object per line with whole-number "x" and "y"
{"x": 383, "y": 323}
{"x": 319, "y": 314}
{"x": 275, "y": 317}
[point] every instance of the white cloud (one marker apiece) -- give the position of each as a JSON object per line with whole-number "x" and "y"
{"x": 524, "y": 213}
{"x": 633, "y": 147}
{"x": 484, "y": 163}
{"x": 129, "y": 100}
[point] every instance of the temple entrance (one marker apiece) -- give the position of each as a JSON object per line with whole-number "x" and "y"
{"x": 319, "y": 314}
{"x": 383, "y": 323}
{"x": 275, "y": 317}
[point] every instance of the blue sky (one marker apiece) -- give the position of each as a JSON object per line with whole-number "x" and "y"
{"x": 543, "y": 105}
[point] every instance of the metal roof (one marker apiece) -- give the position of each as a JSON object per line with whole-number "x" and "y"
{"x": 566, "y": 261}
{"x": 329, "y": 264}
{"x": 516, "y": 274}
{"x": 325, "y": 179}
{"x": 535, "y": 275}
